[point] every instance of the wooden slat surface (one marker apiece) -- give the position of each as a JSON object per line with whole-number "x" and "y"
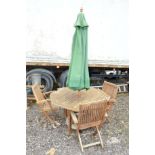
{"x": 69, "y": 99}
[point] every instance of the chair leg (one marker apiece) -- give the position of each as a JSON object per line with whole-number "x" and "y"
{"x": 69, "y": 122}
{"x": 65, "y": 112}
{"x": 104, "y": 120}
{"x": 99, "y": 136}
{"x": 80, "y": 140}
{"x": 47, "y": 116}
{"x": 55, "y": 123}
{"x": 50, "y": 105}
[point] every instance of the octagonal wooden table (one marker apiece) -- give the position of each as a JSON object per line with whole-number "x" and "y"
{"x": 70, "y": 99}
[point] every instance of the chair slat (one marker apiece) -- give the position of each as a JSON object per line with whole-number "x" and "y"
{"x": 110, "y": 89}
{"x": 37, "y": 93}
{"x": 44, "y": 104}
{"x": 92, "y": 113}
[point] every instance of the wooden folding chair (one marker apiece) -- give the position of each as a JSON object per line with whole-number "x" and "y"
{"x": 111, "y": 90}
{"x": 89, "y": 116}
{"x": 44, "y": 103}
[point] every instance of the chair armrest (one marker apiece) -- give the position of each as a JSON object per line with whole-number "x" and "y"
{"x": 74, "y": 118}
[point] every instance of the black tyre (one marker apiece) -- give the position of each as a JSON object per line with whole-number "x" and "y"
{"x": 41, "y": 71}
{"x": 63, "y": 78}
{"x": 46, "y": 79}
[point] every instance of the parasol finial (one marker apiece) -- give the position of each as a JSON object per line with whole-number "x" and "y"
{"x": 81, "y": 9}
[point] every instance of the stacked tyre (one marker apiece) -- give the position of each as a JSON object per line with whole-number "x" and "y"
{"x": 47, "y": 79}
{"x": 63, "y": 78}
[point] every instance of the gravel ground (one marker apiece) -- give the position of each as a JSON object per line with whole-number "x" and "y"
{"x": 115, "y": 134}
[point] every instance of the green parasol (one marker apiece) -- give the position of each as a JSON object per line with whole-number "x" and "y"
{"x": 78, "y": 75}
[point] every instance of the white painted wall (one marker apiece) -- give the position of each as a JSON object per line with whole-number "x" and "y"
{"x": 50, "y": 27}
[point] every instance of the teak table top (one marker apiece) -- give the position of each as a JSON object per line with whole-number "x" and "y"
{"x": 70, "y": 99}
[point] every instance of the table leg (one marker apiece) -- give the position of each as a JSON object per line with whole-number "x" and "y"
{"x": 69, "y": 121}
{"x": 65, "y": 112}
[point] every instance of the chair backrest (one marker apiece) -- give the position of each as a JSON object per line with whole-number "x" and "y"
{"x": 111, "y": 89}
{"x": 37, "y": 93}
{"x": 91, "y": 115}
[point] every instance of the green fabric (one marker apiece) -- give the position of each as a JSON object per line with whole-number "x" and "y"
{"x": 78, "y": 75}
